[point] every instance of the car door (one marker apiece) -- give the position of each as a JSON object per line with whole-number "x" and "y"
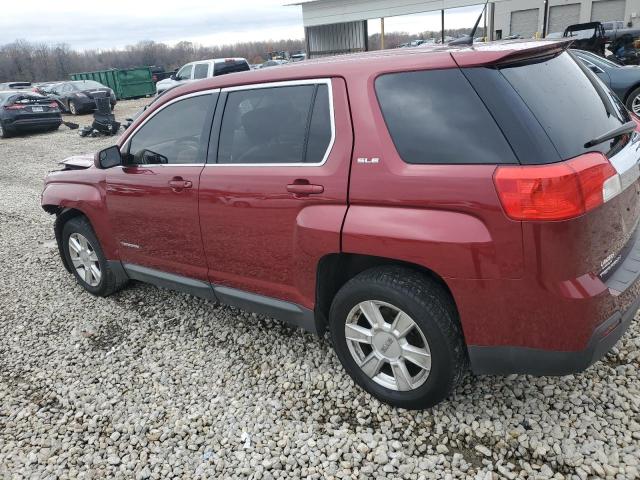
{"x": 274, "y": 193}
{"x": 200, "y": 71}
{"x": 152, "y": 200}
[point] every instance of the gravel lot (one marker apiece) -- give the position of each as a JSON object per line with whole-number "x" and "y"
{"x": 154, "y": 384}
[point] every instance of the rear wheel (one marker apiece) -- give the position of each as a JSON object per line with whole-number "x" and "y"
{"x": 633, "y": 101}
{"x": 397, "y": 334}
{"x": 85, "y": 257}
{"x": 73, "y": 108}
{"x": 4, "y": 133}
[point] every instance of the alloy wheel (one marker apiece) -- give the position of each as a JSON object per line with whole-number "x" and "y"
{"x": 84, "y": 259}
{"x": 72, "y": 108}
{"x": 635, "y": 105}
{"x": 388, "y": 345}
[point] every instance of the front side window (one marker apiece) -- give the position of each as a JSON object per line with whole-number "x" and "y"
{"x": 184, "y": 73}
{"x": 173, "y": 135}
{"x": 201, "y": 70}
{"x": 276, "y": 125}
{"x": 435, "y": 117}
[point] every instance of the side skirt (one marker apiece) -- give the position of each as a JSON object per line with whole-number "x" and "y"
{"x": 291, "y": 313}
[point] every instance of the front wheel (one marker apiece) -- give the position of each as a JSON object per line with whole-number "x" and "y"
{"x": 397, "y": 334}
{"x": 84, "y": 256}
{"x": 633, "y": 101}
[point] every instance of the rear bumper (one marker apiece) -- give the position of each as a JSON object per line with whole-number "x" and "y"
{"x": 505, "y": 360}
{"x": 34, "y": 123}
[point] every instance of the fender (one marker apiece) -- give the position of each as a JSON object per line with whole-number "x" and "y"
{"x": 88, "y": 199}
{"x": 317, "y": 233}
{"x": 452, "y": 244}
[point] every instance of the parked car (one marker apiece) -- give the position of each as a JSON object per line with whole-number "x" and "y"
{"x": 501, "y": 238}
{"x": 624, "y": 81}
{"x": 273, "y": 63}
{"x": 22, "y": 111}
{"x": 588, "y": 36}
{"x": 77, "y": 96}
{"x": 203, "y": 69}
{"x": 43, "y": 88}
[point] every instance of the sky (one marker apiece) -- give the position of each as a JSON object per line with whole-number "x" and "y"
{"x": 117, "y": 23}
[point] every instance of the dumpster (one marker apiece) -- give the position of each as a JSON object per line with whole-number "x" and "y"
{"x": 126, "y": 83}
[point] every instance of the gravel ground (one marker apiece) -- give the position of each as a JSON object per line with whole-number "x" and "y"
{"x": 154, "y": 384}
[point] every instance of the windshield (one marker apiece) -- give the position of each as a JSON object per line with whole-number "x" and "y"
{"x": 570, "y": 103}
{"x": 599, "y": 61}
{"x": 86, "y": 84}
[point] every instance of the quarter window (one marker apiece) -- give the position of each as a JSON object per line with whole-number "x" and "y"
{"x": 173, "y": 135}
{"x": 435, "y": 117}
{"x": 285, "y": 125}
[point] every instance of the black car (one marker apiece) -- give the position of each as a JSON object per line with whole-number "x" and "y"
{"x": 623, "y": 80}
{"x": 76, "y": 96}
{"x": 23, "y": 111}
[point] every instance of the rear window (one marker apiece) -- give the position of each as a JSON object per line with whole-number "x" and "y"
{"x": 435, "y": 117}
{"x": 230, "y": 66}
{"x": 566, "y": 103}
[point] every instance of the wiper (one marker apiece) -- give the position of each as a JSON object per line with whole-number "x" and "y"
{"x": 616, "y": 132}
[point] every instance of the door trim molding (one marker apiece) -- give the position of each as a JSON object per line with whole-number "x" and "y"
{"x": 291, "y": 313}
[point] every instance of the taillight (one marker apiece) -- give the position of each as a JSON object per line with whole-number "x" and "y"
{"x": 14, "y": 106}
{"x": 53, "y": 105}
{"x": 558, "y": 191}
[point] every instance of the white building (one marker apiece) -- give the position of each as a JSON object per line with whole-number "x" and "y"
{"x": 337, "y": 26}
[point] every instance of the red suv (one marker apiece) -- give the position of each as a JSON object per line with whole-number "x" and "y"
{"x": 437, "y": 210}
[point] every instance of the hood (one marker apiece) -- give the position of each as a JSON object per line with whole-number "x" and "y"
{"x": 167, "y": 82}
{"x": 78, "y": 162}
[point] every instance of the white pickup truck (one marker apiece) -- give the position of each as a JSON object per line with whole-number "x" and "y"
{"x": 202, "y": 69}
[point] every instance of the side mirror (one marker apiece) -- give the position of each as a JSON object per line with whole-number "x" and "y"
{"x": 109, "y": 157}
{"x": 174, "y": 77}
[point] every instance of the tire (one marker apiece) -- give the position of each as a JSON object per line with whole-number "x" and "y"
{"x": 435, "y": 330}
{"x": 4, "y": 133}
{"x": 73, "y": 108}
{"x": 108, "y": 282}
{"x": 634, "y": 96}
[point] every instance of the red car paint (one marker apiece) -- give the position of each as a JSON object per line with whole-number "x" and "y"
{"x": 515, "y": 283}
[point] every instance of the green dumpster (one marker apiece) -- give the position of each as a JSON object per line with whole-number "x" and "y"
{"x": 126, "y": 83}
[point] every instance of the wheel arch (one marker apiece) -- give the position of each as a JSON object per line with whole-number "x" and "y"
{"x": 630, "y": 90}
{"x": 336, "y": 269}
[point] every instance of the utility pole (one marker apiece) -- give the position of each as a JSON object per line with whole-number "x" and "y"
{"x": 544, "y": 20}
{"x": 382, "y": 34}
{"x": 442, "y": 18}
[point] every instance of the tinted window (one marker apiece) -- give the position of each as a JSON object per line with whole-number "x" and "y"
{"x": 436, "y": 117}
{"x": 269, "y": 125}
{"x": 201, "y": 70}
{"x": 320, "y": 127}
{"x": 566, "y": 103}
{"x": 173, "y": 135}
{"x": 230, "y": 66}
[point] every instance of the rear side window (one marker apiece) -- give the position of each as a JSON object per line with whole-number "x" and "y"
{"x": 173, "y": 135}
{"x": 435, "y": 117}
{"x": 230, "y": 66}
{"x": 566, "y": 103}
{"x": 201, "y": 70}
{"x": 277, "y": 125}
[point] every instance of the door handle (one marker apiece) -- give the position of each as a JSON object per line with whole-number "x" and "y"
{"x": 303, "y": 187}
{"x": 178, "y": 184}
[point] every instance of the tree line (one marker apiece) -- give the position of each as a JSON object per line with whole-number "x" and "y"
{"x": 39, "y": 62}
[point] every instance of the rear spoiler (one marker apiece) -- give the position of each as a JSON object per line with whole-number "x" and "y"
{"x": 501, "y": 54}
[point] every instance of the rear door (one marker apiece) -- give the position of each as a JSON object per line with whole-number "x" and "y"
{"x": 153, "y": 200}
{"x": 274, "y": 193}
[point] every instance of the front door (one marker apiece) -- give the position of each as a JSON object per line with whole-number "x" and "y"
{"x": 274, "y": 195}
{"x": 152, "y": 200}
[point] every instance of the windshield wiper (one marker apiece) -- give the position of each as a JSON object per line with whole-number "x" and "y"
{"x": 616, "y": 132}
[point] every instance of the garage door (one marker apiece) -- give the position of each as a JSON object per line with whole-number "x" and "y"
{"x": 524, "y": 23}
{"x": 607, "y": 10}
{"x": 561, "y": 16}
